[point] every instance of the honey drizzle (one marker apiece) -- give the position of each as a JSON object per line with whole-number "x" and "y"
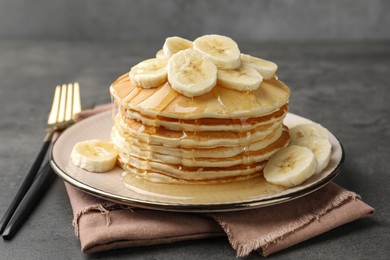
{"x": 160, "y": 99}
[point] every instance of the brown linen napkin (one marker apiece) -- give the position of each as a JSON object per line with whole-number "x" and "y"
{"x": 103, "y": 225}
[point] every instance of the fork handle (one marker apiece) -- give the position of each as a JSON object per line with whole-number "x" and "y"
{"x": 33, "y": 196}
{"x": 27, "y": 181}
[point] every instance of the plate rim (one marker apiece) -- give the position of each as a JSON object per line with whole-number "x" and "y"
{"x": 193, "y": 207}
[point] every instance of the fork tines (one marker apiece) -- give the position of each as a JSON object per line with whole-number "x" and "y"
{"x": 66, "y": 103}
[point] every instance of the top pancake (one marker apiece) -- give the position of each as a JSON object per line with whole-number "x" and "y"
{"x": 220, "y": 102}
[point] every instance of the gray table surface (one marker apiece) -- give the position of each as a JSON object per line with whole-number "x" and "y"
{"x": 344, "y": 86}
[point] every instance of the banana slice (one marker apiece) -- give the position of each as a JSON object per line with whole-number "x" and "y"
{"x": 191, "y": 74}
{"x": 175, "y": 44}
{"x": 303, "y": 130}
{"x": 94, "y": 155}
{"x": 221, "y": 50}
{"x": 290, "y": 166}
{"x": 320, "y": 147}
{"x": 266, "y": 68}
{"x": 244, "y": 78}
{"x": 160, "y": 55}
{"x": 149, "y": 73}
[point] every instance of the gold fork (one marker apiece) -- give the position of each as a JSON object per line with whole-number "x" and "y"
{"x": 66, "y": 103}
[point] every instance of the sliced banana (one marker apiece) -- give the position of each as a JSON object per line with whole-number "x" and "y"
{"x": 149, "y": 73}
{"x": 244, "y": 78}
{"x": 160, "y": 55}
{"x": 290, "y": 166}
{"x": 221, "y": 50}
{"x": 191, "y": 74}
{"x": 94, "y": 155}
{"x": 175, "y": 44}
{"x": 312, "y": 129}
{"x": 266, "y": 68}
{"x": 320, "y": 147}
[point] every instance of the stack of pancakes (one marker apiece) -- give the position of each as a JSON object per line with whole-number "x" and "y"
{"x": 221, "y": 136}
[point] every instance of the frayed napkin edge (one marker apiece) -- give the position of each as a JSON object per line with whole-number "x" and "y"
{"x": 262, "y": 244}
{"x": 104, "y": 209}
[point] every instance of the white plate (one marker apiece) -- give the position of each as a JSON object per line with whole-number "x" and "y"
{"x": 206, "y": 199}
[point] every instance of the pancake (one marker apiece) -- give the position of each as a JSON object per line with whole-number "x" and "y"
{"x": 245, "y": 158}
{"x": 135, "y": 146}
{"x": 132, "y": 129}
{"x": 207, "y": 124}
{"x": 220, "y": 102}
{"x": 220, "y": 136}
{"x": 160, "y": 177}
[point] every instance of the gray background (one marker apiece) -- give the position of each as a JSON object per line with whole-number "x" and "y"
{"x": 249, "y": 20}
{"x": 334, "y": 55}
